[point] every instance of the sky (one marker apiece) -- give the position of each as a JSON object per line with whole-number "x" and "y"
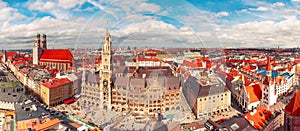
{"x": 151, "y": 23}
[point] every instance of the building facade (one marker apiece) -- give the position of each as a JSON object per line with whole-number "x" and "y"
{"x": 106, "y": 73}
{"x": 54, "y": 92}
{"x": 206, "y": 95}
{"x": 61, "y": 59}
{"x": 142, "y": 89}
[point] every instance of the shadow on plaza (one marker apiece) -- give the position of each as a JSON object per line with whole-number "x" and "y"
{"x": 157, "y": 126}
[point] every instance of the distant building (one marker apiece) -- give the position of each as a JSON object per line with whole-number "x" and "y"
{"x": 61, "y": 59}
{"x": 54, "y": 92}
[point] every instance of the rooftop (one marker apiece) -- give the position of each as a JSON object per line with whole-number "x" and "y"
{"x": 28, "y": 110}
{"x": 12, "y": 97}
{"x": 10, "y": 84}
{"x": 56, "y": 82}
{"x": 47, "y": 125}
{"x": 57, "y": 55}
{"x": 293, "y": 108}
{"x": 259, "y": 116}
{"x": 237, "y": 124}
{"x": 254, "y": 92}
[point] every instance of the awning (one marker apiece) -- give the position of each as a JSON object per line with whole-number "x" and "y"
{"x": 68, "y": 101}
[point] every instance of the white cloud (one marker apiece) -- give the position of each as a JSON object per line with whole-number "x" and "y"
{"x": 147, "y": 7}
{"x": 222, "y": 13}
{"x": 68, "y": 4}
{"x": 295, "y": 0}
{"x": 3, "y": 4}
{"x": 264, "y": 34}
{"x": 61, "y": 33}
{"x": 8, "y": 13}
{"x": 279, "y": 4}
{"x": 260, "y": 8}
{"x": 49, "y": 5}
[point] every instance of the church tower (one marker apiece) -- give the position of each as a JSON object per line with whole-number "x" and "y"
{"x": 269, "y": 94}
{"x": 106, "y": 72}
{"x": 44, "y": 42}
{"x": 37, "y": 50}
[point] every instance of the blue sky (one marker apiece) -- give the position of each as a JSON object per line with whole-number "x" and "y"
{"x": 158, "y": 23}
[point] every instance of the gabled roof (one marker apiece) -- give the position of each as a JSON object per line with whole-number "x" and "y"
{"x": 293, "y": 108}
{"x": 57, "y": 55}
{"x": 254, "y": 92}
{"x": 259, "y": 117}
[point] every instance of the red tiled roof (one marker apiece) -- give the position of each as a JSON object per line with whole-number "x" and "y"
{"x": 56, "y": 82}
{"x": 208, "y": 65}
{"x": 19, "y": 63}
{"x": 98, "y": 60}
{"x": 28, "y": 58}
{"x": 60, "y": 56}
{"x": 47, "y": 125}
{"x": 17, "y": 59}
{"x": 293, "y": 108}
{"x": 246, "y": 80}
{"x": 149, "y": 59}
{"x": 74, "y": 124}
{"x": 260, "y": 117}
{"x": 255, "y": 92}
{"x": 191, "y": 64}
{"x": 269, "y": 68}
{"x": 205, "y": 59}
{"x": 150, "y": 53}
{"x": 10, "y": 54}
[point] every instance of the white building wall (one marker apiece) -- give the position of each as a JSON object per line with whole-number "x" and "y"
{"x": 253, "y": 105}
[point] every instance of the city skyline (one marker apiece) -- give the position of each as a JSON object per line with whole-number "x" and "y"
{"x": 192, "y": 23}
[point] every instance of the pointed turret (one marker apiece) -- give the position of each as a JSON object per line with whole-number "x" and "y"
{"x": 269, "y": 67}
